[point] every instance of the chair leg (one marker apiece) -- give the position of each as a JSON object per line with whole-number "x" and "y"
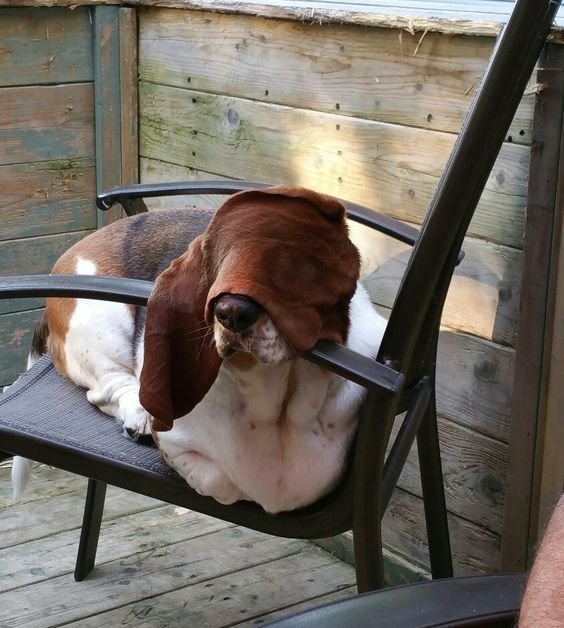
{"x": 376, "y": 416}
{"x": 91, "y": 522}
{"x": 368, "y": 557}
{"x": 433, "y": 494}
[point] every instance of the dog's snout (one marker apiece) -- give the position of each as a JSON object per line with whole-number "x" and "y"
{"x": 236, "y": 313}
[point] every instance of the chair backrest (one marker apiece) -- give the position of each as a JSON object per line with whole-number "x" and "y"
{"x": 418, "y": 306}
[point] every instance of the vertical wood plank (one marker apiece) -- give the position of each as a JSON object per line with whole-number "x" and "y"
{"x": 129, "y": 100}
{"x": 107, "y": 102}
{"x": 529, "y": 372}
{"x": 548, "y": 478}
{"x": 549, "y": 471}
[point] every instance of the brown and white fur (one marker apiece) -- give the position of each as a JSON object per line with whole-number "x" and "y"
{"x": 272, "y": 428}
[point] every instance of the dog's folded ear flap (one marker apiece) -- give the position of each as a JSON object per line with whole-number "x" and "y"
{"x": 329, "y": 206}
{"x": 180, "y": 359}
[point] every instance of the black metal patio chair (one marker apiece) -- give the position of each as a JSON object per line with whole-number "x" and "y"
{"x": 37, "y": 412}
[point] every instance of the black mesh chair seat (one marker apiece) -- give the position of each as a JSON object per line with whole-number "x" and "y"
{"x": 50, "y": 408}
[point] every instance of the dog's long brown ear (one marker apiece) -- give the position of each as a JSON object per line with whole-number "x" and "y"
{"x": 181, "y": 361}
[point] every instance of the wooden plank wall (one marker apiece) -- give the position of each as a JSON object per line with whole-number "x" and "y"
{"x": 47, "y": 154}
{"x": 370, "y": 115}
{"x": 68, "y": 127}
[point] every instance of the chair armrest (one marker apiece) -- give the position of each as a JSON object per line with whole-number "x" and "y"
{"x": 124, "y": 195}
{"x": 337, "y": 358}
{"x": 122, "y": 290}
{"x": 357, "y": 367}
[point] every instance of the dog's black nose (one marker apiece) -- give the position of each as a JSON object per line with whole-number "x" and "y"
{"x": 236, "y": 312}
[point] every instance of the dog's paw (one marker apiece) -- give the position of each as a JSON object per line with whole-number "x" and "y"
{"x": 204, "y": 476}
{"x": 143, "y": 439}
{"x": 136, "y": 422}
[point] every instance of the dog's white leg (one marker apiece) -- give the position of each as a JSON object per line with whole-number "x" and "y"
{"x": 101, "y": 357}
{"x": 117, "y": 394}
{"x": 205, "y": 477}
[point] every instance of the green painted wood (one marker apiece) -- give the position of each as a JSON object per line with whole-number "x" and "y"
{"x": 35, "y": 255}
{"x": 45, "y": 46}
{"x": 47, "y": 166}
{"x": 47, "y": 197}
{"x": 20, "y": 305}
{"x": 107, "y": 98}
{"x": 15, "y": 339}
{"x": 31, "y": 256}
{"x": 46, "y": 122}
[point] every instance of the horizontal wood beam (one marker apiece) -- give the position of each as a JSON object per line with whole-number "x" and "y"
{"x": 322, "y": 13}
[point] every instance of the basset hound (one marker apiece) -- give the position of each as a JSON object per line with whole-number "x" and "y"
{"x": 212, "y": 367}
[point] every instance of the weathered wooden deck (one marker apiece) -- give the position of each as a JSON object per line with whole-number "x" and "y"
{"x": 158, "y": 565}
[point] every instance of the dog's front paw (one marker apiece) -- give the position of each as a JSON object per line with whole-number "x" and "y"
{"x": 145, "y": 438}
{"x": 135, "y": 421}
{"x": 203, "y": 475}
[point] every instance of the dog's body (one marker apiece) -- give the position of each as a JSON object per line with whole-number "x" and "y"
{"x": 234, "y": 409}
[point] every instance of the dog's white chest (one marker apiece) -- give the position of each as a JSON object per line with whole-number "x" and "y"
{"x": 265, "y": 434}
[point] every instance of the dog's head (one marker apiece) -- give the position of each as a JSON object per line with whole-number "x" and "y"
{"x": 273, "y": 273}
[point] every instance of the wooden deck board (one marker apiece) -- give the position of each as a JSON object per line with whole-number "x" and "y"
{"x": 157, "y": 564}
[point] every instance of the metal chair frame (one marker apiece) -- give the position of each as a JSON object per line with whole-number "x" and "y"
{"x": 402, "y": 378}
{"x": 491, "y": 601}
